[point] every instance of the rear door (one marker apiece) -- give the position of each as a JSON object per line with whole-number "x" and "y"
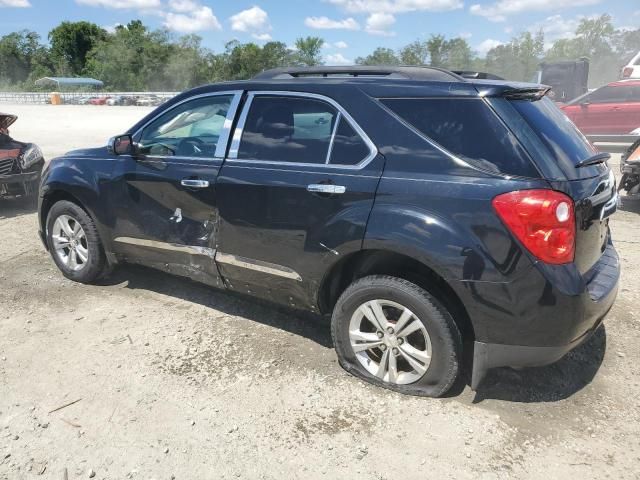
{"x": 294, "y": 195}
{"x": 166, "y": 212}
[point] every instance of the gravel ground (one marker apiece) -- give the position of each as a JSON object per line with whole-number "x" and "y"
{"x": 172, "y": 379}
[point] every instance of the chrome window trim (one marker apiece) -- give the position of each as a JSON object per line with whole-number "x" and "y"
{"x": 237, "y": 136}
{"x": 333, "y": 137}
{"x": 223, "y": 139}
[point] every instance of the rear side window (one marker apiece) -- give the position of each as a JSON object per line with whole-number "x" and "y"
{"x": 287, "y": 129}
{"x": 469, "y": 129}
{"x": 556, "y": 131}
{"x": 348, "y": 147}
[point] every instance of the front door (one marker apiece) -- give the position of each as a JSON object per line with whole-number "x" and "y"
{"x": 167, "y": 209}
{"x": 294, "y": 195}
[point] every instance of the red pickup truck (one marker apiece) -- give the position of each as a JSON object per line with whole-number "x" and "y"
{"x": 613, "y": 109}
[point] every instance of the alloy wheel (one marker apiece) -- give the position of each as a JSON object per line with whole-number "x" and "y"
{"x": 70, "y": 243}
{"x": 390, "y": 341}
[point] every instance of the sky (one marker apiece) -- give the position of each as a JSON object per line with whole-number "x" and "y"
{"x": 351, "y": 28}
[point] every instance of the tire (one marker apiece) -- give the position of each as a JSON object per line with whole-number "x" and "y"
{"x": 442, "y": 338}
{"x": 89, "y": 244}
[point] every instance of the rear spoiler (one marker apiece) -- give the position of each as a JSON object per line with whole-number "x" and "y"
{"x": 511, "y": 90}
{"x": 6, "y": 120}
{"x": 527, "y": 93}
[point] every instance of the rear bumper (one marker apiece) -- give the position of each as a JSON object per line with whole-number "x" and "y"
{"x": 571, "y": 319}
{"x": 492, "y": 355}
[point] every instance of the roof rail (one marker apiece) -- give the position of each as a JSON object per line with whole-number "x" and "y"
{"x": 401, "y": 72}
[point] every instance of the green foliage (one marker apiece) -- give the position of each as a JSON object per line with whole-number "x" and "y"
{"x": 21, "y": 55}
{"x": 380, "y": 56}
{"x": 517, "y": 60}
{"x": 309, "y": 51}
{"x": 71, "y": 42}
{"x": 135, "y": 58}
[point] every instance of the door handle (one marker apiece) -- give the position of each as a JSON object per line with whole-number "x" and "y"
{"x": 194, "y": 183}
{"x": 326, "y": 188}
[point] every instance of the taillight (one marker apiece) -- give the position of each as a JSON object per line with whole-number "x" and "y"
{"x": 626, "y": 72}
{"x": 543, "y": 220}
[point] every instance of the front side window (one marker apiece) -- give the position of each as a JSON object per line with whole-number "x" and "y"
{"x": 287, "y": 129}
{"x": 469, "y": 129}
{"x": 609, "y": 95}
{"x": 192, "y": 129}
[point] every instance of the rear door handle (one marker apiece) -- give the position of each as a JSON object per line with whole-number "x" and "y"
{"x": 194, "y": 183}
{"x": 326, "y": 188}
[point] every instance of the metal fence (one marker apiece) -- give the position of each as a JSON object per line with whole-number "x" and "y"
{"x": 148, "y": 98}
{"x": 613, "y": 143}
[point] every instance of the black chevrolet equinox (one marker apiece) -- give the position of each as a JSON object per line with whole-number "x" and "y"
{"x": 433, "y": 217}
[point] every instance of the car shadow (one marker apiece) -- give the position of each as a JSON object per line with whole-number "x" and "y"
{"x": 301, "y": 323}
{"x": 552, "y": 383}
{"x": 17, "y": 206}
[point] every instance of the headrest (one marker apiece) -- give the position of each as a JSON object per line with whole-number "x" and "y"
{"x": 277, "y": 122}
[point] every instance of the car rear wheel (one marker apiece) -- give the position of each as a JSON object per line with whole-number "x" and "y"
{"x": 392, "y": 333}
{"x": 74, "y": 243}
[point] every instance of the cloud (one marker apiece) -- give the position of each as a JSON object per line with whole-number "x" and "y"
{"x": 121, "y": 4}
{"x": 183, "y": 6}
{"x": 397, "y": 6}
{"x": 199, "y": 19}
{"x": 487, "y": 45}
{"x": 556, "y": 27}
{"x": 500, "y": 10}
{"x": 112, "y": 28}
{"x": 341, "y": 44}
{"x": 465, "y": 35}
{"x": 379, "y": 23}
{"x": 325, "y": 23}
{"x": 337, "y": 59}
{"x": 254, "y": 20}
{"x": 15, "y": 3}
{"x": 263, "y": 37}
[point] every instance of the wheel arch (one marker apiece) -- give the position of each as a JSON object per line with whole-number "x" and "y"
{"x": 384, "y": 262}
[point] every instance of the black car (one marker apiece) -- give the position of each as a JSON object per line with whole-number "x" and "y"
{"x": 20, "y": 163}
{"x": 429, "y": 214}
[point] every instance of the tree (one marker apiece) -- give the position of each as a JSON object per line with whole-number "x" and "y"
{"x": 380, "y": 56}
{"x": 21, "y": 57}
{"x": 519, "y": 59}
{"x": 595, "y": 40}
{"x": 416, "y": 53}
{"x": 70, "y": 44}
{"x": 309, "y": 51}
{"x": 436, "y": 47}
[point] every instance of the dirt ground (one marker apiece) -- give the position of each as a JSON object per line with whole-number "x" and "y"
{"x": 172, "y": 379}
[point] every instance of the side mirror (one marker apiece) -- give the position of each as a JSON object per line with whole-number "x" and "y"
{"x": 585, "y": 104}
{"x": 121, "y": 145}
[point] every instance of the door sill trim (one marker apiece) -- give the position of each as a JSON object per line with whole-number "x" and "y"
{"x": 174, "y": 247}
{"x": 257, "y": 265}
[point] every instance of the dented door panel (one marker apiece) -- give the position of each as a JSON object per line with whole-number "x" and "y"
{"x": 161, "y": 223}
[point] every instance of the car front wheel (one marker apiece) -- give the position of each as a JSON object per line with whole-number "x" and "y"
{"x": 392, "y": 333}
{"x": 74, "y": 243}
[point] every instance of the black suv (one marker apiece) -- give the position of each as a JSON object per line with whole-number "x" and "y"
{"x": 429, "y": 214}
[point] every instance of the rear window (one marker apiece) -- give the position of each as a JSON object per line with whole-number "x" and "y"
{"x": 556, "y": 131}
{"x": 469, "y": 129}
